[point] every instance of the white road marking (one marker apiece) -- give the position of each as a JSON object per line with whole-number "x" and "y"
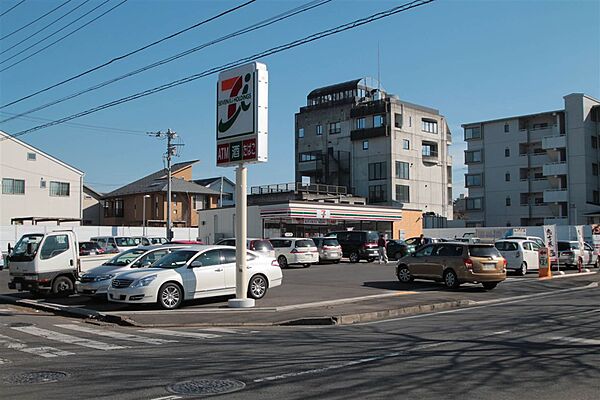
{"x": 167, "y": 332}
{"x": 115, "y": 334}
{"x": 173, "y": 397}
{"x": 60, "y": 337}
{"x": 4, "y": 361}
{"x": 221, "y": 330}
{"x": 46, "y": 352}
{"x": 593, "y": 342}
{"x": 348, "y": 364}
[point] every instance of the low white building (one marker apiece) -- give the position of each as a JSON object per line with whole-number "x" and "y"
{"x": 37, "y": 187}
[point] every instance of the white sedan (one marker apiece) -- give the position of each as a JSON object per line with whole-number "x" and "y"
{"x": 193, "y": 273}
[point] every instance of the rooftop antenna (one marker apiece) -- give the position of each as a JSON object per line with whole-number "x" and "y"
{"x": 378, "y": 70}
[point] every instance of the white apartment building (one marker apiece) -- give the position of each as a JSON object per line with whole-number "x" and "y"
{"x": 37, "y": 187}
{"x": 535, "y": 169}
{"x": 392, "y": 152}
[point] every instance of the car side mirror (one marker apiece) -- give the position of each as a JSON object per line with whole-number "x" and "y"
{"x": 195, "y": 264}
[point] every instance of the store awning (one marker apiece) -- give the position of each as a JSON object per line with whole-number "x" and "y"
{"x": 328, "y": 211}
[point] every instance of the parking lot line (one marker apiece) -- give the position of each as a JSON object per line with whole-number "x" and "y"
{"x": 167, "y": 332}
{"x": 61, "y": 337}
{"x": 115, "y": 334}
{"x": 44, "y": 351}
{"x": 593, "y": 342}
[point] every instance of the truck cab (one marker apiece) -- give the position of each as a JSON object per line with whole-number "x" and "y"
{"x": 44, "y": 263}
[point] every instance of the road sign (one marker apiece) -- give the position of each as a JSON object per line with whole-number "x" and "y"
{"x": 544, "y": 263}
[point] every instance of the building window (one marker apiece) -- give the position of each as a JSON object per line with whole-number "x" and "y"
{"x": 524, "y": 199}
{"x": 594, "y": 169}
{"x": 507, "y": 177}
{"x": 377, "y": 121}
{"x": 402, "y": 170}
{"x": 542, "y": 125}
{"x": 42, "y": 183}
{"x": 360, "y": 123}
{"x": 365, "y": 145}
{"x": 13, "y": 186}
{"x": 377, "y": 171}
{"x": 335, "y": 127}
{"x": 473, "y": 156}
{"x": 319, "y": 130}
{"x": 472, "y": 180}
{"x": 428, "y": 125}
{"x": 507, "y": 201}
{"x": 300, "y": 133}
{"x": 594, "y": 142}
{"x": 473, "y": 132}
{"x": 409, "y": 121}
{"x": 506, "y": 128}
{"x": 405, "y": 144}
{"x": 429, "y": 150}
{"x": 377, "y": 193}
{"x": 308, "y": 156}
{"x": 31, "y": 156}
{"x": 403, "y": 193}
{"x": 118, "y": 207}
{"x": 59, "y": 189}
{"x": 398, "y": 120}
{"x": 475, "y": 203}
{"x": 507, "y": 152}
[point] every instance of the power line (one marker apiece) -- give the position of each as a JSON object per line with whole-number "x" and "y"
{"x": 57, "y": 31}
{"x": 130, "y": 53}
{"x": 266, "y": 53}
{"x": 35, "y": 20}
{"x": 13, "y": 7}
{"x": 269, "y": 21}
{"x": 44, "y": 28}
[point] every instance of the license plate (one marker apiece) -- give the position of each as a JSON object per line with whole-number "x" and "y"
{"x": 489, "y": 267}
{"x": 18, "y": 286}
{"x": 333, "y": 254}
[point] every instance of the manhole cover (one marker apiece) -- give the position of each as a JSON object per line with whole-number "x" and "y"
{"x": 206, "y": 386}
{"x": 29, "y": 378}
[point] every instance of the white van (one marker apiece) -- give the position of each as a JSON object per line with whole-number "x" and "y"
{"x": 520, "y": 255}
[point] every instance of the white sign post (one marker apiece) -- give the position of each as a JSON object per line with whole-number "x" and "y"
{"x": 552, "y": 245}
{"x": 242, "y": 133}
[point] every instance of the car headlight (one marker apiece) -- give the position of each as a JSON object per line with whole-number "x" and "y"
{"x": 144, "y": 281}
{"x": 104, "y": 277}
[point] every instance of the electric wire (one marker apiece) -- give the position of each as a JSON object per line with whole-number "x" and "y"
{"x": 266, "y": 53}
{"x": 62, "y": 37}
{"x": 35, "y": 20}
{"x": 43, "y": 28}
{"x": 121, "y": 57}
{"x": 264, "y": 23}
{"x": 12, "y": 8}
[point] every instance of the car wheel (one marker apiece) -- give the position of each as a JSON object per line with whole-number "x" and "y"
{"x": 451, "y": 279}
{"x": 489, "y": 285}
{"x": 354, "y": 257}
{"x": 523, "y": 269}
{"x": 62, "y": 286}
{"x": 282, "y": 262}
{"x": 257, "y": 287}
{"x": 306, "y": 265}
{"x": 404, "y": 274}
{"x": 170, "y": 296}
{"x": 336, "y": 261}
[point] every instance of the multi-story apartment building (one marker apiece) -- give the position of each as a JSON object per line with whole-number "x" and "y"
{"x": 387, "y": 150}
{"x": 535, "y": 169}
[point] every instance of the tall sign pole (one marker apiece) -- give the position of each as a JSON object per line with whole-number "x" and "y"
{"x": 242, "y": 134}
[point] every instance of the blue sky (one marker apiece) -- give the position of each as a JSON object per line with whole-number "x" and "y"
{"x": 472, "y": 60}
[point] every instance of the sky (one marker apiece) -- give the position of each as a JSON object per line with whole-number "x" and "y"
{"x": 472, "y": 60}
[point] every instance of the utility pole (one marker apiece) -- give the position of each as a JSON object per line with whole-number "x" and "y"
{"x": 172, "y": 150}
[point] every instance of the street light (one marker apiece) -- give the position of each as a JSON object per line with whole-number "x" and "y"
{"x": 147, "y": 196}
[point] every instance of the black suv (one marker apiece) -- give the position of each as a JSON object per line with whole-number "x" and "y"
{"x": 358, "y": 245}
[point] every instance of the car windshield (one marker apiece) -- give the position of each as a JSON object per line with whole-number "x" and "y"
{"x": 125, "y": 257}
{"x": 21, "y": 246}
{"x": 305, "y": 243}
{"x": 330, "y": 242}
{"x": 372, "y": 236}
{"x": 483, "y": 251}
{"x": 125, "y": 241}
{"x": 175, "y": 259}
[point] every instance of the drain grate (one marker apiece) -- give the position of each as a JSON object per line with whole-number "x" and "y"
{"x": 30, "y": 378}
{"x": 206, "y": 386}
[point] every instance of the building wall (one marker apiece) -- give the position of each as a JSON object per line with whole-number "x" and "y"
{"x": 92, "y": 208}
{"x": 37, "y": 201}
{"x": 411, "y": 224}
{"x": 218, "y": 223}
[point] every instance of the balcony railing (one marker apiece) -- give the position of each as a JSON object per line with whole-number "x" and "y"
{"x": 553, "y": 169}
{"x": 556, "y": 196}
{"x": 298, "y": 187}
{"x": 554, "y": 142}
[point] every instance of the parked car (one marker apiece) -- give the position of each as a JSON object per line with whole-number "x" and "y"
{"x": 357, "y": 245}
{"x": 262, "y": 246}
{"x": 570, "y": 255}
{"x": 396, "y": 249}
{"x": 413, "y": 241}
{"x": 97, "y": 280}
{"x": 198, "y": 242}
{"x": 453, "y": 264}
{"x": 90, "y": 249}
{"x": 520, "y": 255}
{"x": 110, "y": 243}
{"x": 149, "y": 240}
{"x": 192, "y": 273}
{"x": 329, "y": 249}
{"x": 535, "y": 239}
{"x": 291, "y": 251}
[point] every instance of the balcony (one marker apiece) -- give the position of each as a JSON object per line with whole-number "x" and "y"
{"x": 556, "y": 196}
{"x": 554, "y": 142}
{"x": 556, "y": 221}
{"x": 541, "y": 132}
{"x": 554, "y": 169}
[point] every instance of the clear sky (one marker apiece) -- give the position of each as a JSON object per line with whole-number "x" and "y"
{"x": 472, "y": 60}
